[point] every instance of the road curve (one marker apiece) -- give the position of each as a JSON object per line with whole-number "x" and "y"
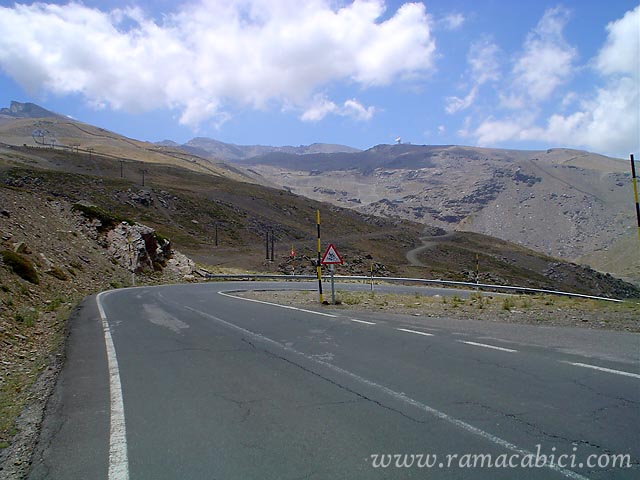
{"x": 201, "y": 384}
{"x": 413, "y": 256}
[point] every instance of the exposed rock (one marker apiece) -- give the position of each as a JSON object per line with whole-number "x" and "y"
{"x": 180, "y": 265}
{"x": 47, "y": 264}
{"x": 142, "y": 197}
{"x": 137, "y": 247}
{"x": 21, "y": 247}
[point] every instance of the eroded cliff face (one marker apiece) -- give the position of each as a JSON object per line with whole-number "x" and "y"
{"x": 137, "y": 247}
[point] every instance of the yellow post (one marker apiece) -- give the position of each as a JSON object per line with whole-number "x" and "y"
{"x": 635, "y": 191}
{"x": 318, "y": 267}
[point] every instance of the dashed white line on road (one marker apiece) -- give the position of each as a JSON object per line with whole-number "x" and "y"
{"x": 288, "y": 307}
{"x": 118, "y": 459}
{"x": 603, "y": 369}
{"x": 415, "y": 331}
{"x": 397, "y": 395}
{"x": 502, "y": 349}
{"x": 362, "y": 321}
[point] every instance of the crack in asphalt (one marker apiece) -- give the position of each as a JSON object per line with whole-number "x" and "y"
{"x": 539, "y": 430}
{"x": 335, "y": 383}
{"x": 326, "y": 404}
{"x": 602, "y": 394}
{"x": 508, "y": 367}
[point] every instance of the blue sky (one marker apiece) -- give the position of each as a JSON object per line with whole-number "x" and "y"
{"x": 497, "y": 73}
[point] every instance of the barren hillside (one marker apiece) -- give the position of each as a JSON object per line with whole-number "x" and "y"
{"x": 66, "y": 135}
{"x": 566, "y": 203}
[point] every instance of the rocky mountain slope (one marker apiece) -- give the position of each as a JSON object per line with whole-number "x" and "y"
{"x": 27, "y": 110}
{"x": 565, "y": 203}
{"x": 194, "y": 209}
{"x": 210, "y": 148}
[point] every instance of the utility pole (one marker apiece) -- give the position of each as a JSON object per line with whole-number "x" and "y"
{"x": 121, "y": 169}
{"x": 216, "y": 235}
{"x": 266, "y": 244}
{"x": 272, "y": 242}
{"x": 143, "y": 172}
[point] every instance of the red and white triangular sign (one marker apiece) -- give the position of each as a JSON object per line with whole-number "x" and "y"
{"x": 331, "y": 256}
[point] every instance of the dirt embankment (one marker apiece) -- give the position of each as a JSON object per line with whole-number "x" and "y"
{"x": 51, "y": 256}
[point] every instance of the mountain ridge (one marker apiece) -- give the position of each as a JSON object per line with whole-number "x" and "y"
{"x": 228, "y": 151}
{"x": 28, "y": 110}
{"x": 565, "y": 202}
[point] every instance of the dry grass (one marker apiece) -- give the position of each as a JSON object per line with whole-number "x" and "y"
{"x": 529, "y": 309}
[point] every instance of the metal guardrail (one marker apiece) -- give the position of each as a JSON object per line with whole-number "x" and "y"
{"x": 470, "y": 285}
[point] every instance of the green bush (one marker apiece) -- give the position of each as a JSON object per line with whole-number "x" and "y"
{"x": 26, "y": 317}
{"x": 107, "y": 221}
{"x": 161, "y": 239}
{"x": 21, "y": 266}
{"x": 508, "y": 304}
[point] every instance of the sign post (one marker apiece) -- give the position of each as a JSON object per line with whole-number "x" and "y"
{"x": 332, "y": 257}
{"x": 371, "y": 275}
{"x": 292, "y": 255}
{"x": 318, "y": 265}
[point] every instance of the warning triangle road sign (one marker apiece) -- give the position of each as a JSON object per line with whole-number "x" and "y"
{"x": 331, "y": 256}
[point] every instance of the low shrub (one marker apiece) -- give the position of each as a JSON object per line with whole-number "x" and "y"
{"x": 21, "y": 266}
{"x": 58, "y": 273}
{"x": 107, "y": 220}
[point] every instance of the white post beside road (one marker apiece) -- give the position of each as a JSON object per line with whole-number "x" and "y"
{"x": 333, "y": 289}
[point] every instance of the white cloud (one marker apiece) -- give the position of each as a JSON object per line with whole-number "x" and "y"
{"x": 213, "y": 55}
{"x": 493, "y": 131}
{"x": 453, "y": 21}
{"x": 456, "y": 104}
{"x": 318, "y": 110}
{"x": 353, "y": 108}
{"x": 609, "y": 122}
{"x": 483, "y": 60}
{"x": 483, "y": 67}
{"x": 546, "y": 62}
{"x": 322, "y": 107}
{"x": 605, "y": 119}
{"x": 621, "y": 52}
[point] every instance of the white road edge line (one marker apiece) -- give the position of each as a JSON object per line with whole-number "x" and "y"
{"x": 502, "y": 349}
{"x": 289, "y": 307}
{"x": 118, "y": 458}
{"x": 603, "y": 369}
{"x": 397, "y": 395}
{"x": 415, "y": 331}
{"x": 362, "y": 321}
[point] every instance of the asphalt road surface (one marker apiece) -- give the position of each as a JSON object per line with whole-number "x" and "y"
{"x": 191, "y": 382}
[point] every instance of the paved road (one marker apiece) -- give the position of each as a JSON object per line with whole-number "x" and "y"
{"x": 198, "y": 384}
{"x": 413, "y": 256}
